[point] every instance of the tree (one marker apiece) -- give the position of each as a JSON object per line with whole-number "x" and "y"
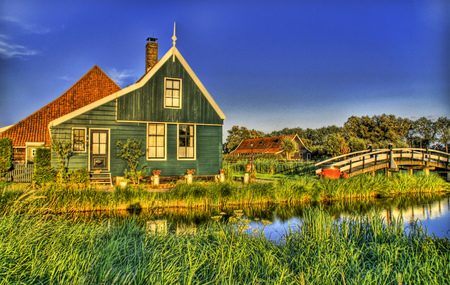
{"x": 426, "y": 129}
{"x": 442, "y": 127}
{"x": 377, "y": 128}
{"x": 237, "y": 134}
{"x": 63, "y": 151}
{"x": 336, "y": 145}
{"x": 289, "y": 146}
{"x": 131, "y": 152}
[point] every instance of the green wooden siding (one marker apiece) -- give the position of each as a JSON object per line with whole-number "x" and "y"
{"x": 208, "y": 147}
{"x": 147, "y": 103}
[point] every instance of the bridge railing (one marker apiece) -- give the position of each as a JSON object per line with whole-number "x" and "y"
{"x": 363, "y": 159}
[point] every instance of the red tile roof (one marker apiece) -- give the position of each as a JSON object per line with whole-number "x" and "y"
{"x": 94, "y": 85}
{"x": 271, "y": 145}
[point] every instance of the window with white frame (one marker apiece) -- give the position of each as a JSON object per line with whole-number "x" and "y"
{"x": 186, "y": 141}
{"x": 79, "y": 139}
{"x": 156, "y": 142}
{"x": 172, "y": 93}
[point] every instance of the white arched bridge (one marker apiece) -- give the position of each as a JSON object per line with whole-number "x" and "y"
{"x": 392, "y": 159}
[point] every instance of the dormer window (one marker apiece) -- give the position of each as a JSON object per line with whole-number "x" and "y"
{"x": 172, "y": 93}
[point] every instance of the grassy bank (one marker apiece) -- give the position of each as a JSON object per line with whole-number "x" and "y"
{"x": 48, "y": 249}
{"x": 57, "y": 198}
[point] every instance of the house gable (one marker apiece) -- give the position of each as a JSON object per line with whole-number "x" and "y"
{"x": 134, "y": 96}
{"x": 147, "y": 103}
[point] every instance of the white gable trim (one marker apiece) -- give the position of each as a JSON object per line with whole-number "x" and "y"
{"x": 142, "y": 82}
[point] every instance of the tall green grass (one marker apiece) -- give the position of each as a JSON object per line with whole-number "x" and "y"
{"x": 49, "y": 249}
{"x": 57, "y": 198}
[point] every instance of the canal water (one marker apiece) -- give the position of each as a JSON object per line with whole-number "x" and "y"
{"x": 432, "y": 211}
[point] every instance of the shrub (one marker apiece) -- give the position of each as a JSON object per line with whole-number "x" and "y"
{"x": 43, "y": 157}
{"x": 44, "y": 175}
{"x": 80, "y": 176}
{"x": 5, "y": 155}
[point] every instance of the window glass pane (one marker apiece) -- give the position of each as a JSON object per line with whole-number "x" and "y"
{"x": 190, "y": 152}
{"x": 191, "y": 130}
{"x": 190, "y": 141}
{"x": 103, "y": 149}
{"x": 176, "y": 103}
{"x": 95, "y": 148}
{"x": 168, "y": 83}
{"x": 160, "y": 141}
{"x": 152, "y": 129}
{"x": 160, "y": 152}
{"x": 151, "y": 151}
{"x": 176, "y": 84}
{"x": 160, "y": 129}
{"x": 176, "y": 94}
{"x": 103, "y": 138}
{"x": 95, "y": 138}
{"x": 168, "y": 102}
{"x": 182, "y": 152}
{"x": 152, "y": 141}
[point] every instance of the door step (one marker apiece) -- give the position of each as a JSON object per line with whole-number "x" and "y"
{"x": 98, "y": 177}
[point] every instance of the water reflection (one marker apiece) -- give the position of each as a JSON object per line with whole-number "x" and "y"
{"x": 432, "y": 210}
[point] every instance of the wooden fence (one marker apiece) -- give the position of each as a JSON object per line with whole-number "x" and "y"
{"x": 21, "y": 173}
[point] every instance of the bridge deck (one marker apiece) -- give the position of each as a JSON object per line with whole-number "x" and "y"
{"x": 353, "y": 164}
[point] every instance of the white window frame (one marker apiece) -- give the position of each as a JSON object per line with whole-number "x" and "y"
{"x": 195, "y": 143}
{"x": 165, "y": 143}
{"x": 73, "y": 139}
{"x": 180, "y": 90}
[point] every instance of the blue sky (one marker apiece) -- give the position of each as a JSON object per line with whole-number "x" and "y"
{"x": 267, "y": 64}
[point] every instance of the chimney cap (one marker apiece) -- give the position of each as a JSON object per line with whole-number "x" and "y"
{"x": 152, "y": 40}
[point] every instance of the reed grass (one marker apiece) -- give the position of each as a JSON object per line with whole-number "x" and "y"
{"x": 60, "y": 198}
{"x": 50, "y": 249}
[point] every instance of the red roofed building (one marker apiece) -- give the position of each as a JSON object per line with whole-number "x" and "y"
{"x": 271, "y": 145}
{"x": 33, "y": 131}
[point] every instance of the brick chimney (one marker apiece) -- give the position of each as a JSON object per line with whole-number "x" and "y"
{"x": 151, "y": 53}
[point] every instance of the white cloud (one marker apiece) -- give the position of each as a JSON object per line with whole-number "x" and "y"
{"x": 9, "y": 50}
{"x": 120, "y": 76}
{"x": 31, "y": 28}
{"x": 66, "y": 78}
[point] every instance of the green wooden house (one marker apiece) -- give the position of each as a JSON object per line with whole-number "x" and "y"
{"x": 168, "y": 109}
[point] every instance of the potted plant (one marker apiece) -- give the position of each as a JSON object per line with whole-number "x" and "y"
{"x": 156, "y": 174}
{"x": 222, "y": 175}
{"x": 190, "y": 172}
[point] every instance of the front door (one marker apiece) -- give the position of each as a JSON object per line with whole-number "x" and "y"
{"x": 99, "y": 150}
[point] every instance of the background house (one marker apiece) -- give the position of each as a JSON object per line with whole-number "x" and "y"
{"x": 272, "y": 145}
{"x": 168, "y": 109}
{"x": 33, "y": 132}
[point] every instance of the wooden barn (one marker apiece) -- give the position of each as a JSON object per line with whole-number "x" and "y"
{"x": 168, "y": 109}
{"x": 272, "y": 145}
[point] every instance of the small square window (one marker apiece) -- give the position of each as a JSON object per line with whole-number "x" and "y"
{"x": 79, "y": 139}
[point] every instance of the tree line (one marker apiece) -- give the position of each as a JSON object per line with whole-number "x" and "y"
{"x": 358, "y": 133}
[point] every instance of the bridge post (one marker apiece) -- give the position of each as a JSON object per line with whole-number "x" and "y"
{"x": 387, "y": 172}
{"x": 410, "y": 171}
{"x": 426, "y": 170}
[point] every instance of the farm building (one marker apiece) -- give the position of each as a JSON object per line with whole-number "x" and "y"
{"x": 33, "y": 132}
{"x": 272, "y": 145}
{"x": 168, "y": 109}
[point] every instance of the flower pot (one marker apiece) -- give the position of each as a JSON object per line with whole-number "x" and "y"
{"x": 246, "y": 178}
{"x": 189, "y": 178}
{"x": 222, "y": 177}
{"x": 156, "y": 180}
